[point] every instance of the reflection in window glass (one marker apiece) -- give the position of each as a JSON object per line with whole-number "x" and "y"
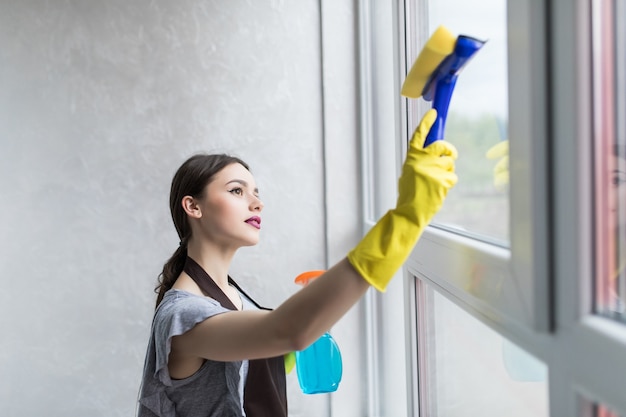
{"x": 470, "y": 370}
{"x": 609, "y": 123}
{"x": 601, "y": 411}
{"x": 590, "y": 408}
{"x": 477, "y": 118}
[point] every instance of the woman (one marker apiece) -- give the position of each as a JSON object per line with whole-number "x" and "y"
{"x": 213, "y": 351}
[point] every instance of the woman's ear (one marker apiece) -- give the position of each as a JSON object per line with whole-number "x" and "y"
{"x": 191, "y": 207}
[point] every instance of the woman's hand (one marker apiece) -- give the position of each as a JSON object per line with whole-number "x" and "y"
{"x": 427, "y": 176}
{"x": 501, "y": 170}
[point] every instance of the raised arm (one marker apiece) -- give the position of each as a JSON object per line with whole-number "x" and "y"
{"x": 427, "y": 175}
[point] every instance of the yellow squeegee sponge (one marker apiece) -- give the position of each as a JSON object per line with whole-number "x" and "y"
{"x": 440, "y": 44}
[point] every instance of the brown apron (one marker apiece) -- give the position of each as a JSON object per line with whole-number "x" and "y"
{"x": 265, "y": 393}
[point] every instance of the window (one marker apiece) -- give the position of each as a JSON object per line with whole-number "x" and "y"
{"x": 476, "y": 211}
{"x": 609, "y": 92}
{"x": 535, "y": 289}
{"x": 590, "y": 408}
{"x": 601, "y": 411}
{"x": 477, "y": 118}
{"x": 470, "y": 370}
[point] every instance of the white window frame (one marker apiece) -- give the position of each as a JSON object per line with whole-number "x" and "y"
{"x": 551, "y": 214}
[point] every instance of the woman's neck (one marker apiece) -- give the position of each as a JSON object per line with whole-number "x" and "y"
{"x": 214, "y": 260}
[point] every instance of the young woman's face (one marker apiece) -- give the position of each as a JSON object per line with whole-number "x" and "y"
{"x": 617, "y": 202}
{"x": 617, "y": 195}
{"x": 231, "y": 208}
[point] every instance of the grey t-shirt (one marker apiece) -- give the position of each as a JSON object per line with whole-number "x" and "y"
{"x": 216, "y": 389}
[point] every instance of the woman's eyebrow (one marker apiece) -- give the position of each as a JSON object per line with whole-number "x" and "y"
{"x": 242, "y": 182}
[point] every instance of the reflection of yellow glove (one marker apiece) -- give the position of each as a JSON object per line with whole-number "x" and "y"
{"x": 427, "y": 175}
{"x": 501, "y": 170}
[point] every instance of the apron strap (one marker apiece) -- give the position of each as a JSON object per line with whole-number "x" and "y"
{"x": 265, "y": 393}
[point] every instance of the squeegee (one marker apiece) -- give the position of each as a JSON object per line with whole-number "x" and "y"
{"x": 434, "y": 73}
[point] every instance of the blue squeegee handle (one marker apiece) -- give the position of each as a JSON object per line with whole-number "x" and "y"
{"x": 440, "y": 87}
{"x": 441, "y": 102}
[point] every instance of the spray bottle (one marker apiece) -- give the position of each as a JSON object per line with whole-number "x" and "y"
{"x": 319, "y": 366}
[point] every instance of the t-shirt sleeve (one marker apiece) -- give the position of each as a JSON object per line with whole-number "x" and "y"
{"x": 175, "y": 317}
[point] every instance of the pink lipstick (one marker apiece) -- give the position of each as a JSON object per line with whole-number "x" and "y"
{"x": 254, "y": 221}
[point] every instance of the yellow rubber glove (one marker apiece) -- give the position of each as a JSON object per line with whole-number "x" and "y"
{"x": 427, "y": 175}
{"x": 501, "y": 169}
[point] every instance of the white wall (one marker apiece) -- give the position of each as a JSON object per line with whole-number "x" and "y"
{"x": 99, "y": 103}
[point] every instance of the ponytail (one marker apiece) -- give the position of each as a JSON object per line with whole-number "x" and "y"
{"x": 171, "y": 270}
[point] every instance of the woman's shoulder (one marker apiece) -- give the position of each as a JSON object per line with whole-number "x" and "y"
{"x": 177, "y": 304}
{"x": 179, "y": 295}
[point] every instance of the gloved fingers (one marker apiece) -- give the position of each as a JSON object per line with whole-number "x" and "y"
{"x": 448, "y": 179}
{"x": 446, "y": 163}
{"x": 420, "y": 133}
{"x": 501, "y": 180}
{"x": 501, "y": 169}
{"x": 498, "y": 150}
{"x": 501, "y": 173}
{"x": 432, "y": 163}
{"x": 439, "y": 169}
{"x": 442, "y": 148}
{"x": 502, "y": 166}
{"x": 436, "y": 162}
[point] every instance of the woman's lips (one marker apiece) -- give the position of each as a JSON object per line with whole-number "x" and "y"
{"x": 254, "y": 221}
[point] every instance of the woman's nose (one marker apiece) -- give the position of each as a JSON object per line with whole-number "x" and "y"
{"x": 256, "y": 204}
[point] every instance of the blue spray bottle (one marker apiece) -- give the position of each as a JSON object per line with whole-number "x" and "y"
{"x": 319, "y": 366}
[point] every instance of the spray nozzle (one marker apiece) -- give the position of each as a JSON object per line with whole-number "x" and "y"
{"x": 306, "y": 277}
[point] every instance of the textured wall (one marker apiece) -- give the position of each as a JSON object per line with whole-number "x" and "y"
{"x": 100, "y": 101}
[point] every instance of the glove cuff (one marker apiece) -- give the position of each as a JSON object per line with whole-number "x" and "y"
{"x": 384, "y": 249}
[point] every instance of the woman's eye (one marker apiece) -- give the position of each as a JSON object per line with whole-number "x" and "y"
{"x": 619, "y": 178}
{"x": 237, "y": 191}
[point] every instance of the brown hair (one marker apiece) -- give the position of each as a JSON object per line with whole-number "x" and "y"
{"x": 191, "y": 179}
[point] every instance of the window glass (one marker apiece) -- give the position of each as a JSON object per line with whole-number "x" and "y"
{"x": 602, "y": 411}
{"x": 470, "y": 370}
{"x": 477, "y": 118}
{"x": 589, "y": 408}
{"x": 609, "y": 92}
